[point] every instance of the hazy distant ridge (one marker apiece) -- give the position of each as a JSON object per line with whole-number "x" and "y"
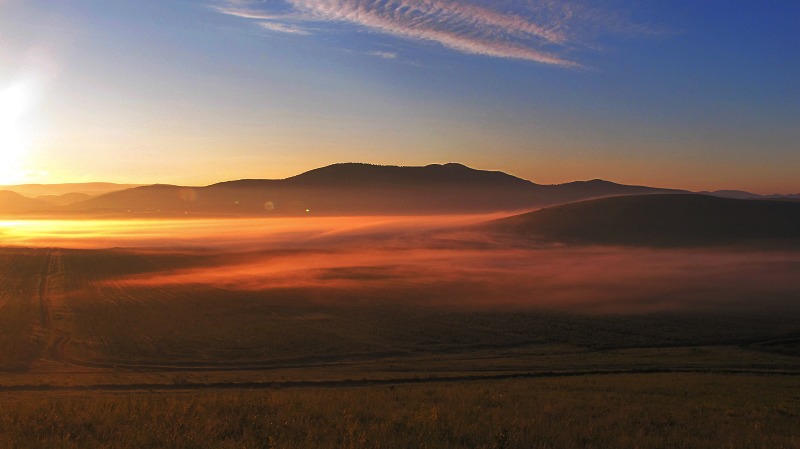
{"x": 88, "y": 188}
{"x": 12, "y": 202}
{"x": 742, "y": 195}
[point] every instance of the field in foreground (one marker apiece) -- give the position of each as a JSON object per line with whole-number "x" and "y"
{"x": 602, "y": 411}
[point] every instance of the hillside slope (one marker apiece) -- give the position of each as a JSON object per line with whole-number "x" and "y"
{"x": 659, "y": 220}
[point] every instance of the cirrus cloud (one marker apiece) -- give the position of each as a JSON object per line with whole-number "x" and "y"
{"x": 544, "y": 31}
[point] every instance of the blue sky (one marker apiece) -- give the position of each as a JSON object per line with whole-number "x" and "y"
{"x": 698, "y": 95}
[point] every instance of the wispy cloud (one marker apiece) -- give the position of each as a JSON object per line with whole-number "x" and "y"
{"x": 282, "y": 28}
{"x": 543, "y": 31}
{"x": 383, "y": 54}
{"x": 237, "y": 10}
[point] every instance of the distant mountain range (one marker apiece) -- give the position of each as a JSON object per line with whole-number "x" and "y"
{"x": 87, "y": 188}
{"x": 671, "y": 220}
{"x": 742, "y": 195}
{"x": 339, "y": 189}
{"x": 51, "y": 198}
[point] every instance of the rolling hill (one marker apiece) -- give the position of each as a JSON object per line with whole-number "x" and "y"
{"x": 12, "y": 202}
{"x": 352, "y": 188}
{"x": 659, "y": 220}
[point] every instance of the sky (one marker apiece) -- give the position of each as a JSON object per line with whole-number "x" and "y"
{"x": 682, "y": 94}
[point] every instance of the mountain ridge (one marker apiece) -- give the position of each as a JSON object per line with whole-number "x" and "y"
{"x": 355, "y": 188}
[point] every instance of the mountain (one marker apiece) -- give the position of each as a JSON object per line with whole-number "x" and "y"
{"x": 387, "y": 176}
{"x": 352, "y": 188}
{"x": 658, "y": 220}
{"x": 12, "y": 202}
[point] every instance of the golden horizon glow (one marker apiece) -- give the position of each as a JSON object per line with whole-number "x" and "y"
{"x": 242, "y": 233}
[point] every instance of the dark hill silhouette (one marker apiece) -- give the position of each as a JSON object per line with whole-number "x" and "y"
{"x": 659, "y": 220}
{"x": 360, "y": 189}
{"x": 371, "y": 176}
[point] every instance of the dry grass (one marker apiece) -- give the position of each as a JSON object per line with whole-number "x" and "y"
{"x": 622, "y": 411}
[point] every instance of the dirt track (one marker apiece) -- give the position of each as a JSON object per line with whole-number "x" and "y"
{"x": 50, "y": 295}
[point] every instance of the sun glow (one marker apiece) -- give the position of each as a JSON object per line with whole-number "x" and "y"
{"x": 240, "y": 234}
{"x": 15, "y": 101}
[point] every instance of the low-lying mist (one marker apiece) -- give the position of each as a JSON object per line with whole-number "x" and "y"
{"x": 595, "y": 279}
{"x": 425, "y": 261}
